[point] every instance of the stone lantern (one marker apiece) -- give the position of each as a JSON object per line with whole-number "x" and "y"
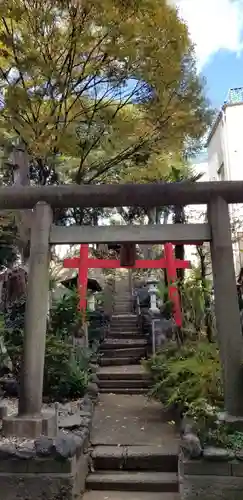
{"x": 153, "y": 291}
{"x": 153, "y": 310}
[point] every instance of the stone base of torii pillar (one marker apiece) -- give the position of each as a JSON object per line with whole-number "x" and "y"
{"x": 31, "y": 420}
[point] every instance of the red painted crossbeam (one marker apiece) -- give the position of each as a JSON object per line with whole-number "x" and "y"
{"x": 73, "y": 263}
{"x": 83, "y": 263}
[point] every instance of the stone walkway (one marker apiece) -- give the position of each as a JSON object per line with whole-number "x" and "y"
{"x": 131, "y": 420}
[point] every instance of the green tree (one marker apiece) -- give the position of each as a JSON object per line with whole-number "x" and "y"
{"x": 95, "y": 85}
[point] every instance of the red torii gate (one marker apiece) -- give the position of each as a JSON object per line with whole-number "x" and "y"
{"x": 83, "y": 263}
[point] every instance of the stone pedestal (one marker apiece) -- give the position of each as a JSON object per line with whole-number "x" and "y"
{"x": 30, "y": 427}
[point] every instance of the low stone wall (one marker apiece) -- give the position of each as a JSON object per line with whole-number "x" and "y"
{"x": 208, "y": 473}
{"x": 50, "y": 468}
{"x": 211, "y": 478}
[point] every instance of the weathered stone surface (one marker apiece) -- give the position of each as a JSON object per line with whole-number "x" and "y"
{"x": 217, "y": 454}
{"x": 237, "y": 469}
{"x": 29, "y": 427}
{"x": 26, "y": 451}
{"x": 93, "y": 390}
{"x": 187, "y": 426}
{"x": 191, "y": 446}
{"x": 211, "y": 487}
{"x": 86, "y": 414}
{"x": 71, "y": 421}
{"x": 206, "y": 468}
{"x": 65, "y": 446}
{"x": 7, "y": 451}
{"x": 93, "y": 368}
{"x": 44, "y": 446}
{"x": 94, "y": 378}
{"x": 37, "y": 486}
{"x": 86, "y": 404}
{"x": 3, "y": 411}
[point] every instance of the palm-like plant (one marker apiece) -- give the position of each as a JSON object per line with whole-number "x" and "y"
{"x": 184, "y": 174}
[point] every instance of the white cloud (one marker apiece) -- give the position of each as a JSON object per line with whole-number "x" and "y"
{"x": 213, "y": 25}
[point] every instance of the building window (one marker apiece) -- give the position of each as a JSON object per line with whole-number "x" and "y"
{"x": 221, "y": 172}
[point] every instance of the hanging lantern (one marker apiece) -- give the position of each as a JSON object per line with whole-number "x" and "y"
{"x": 128, "y": 255}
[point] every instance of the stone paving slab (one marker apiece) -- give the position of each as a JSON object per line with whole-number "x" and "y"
{"x": 122, "y": 419}
{"x": 128, "y": 495}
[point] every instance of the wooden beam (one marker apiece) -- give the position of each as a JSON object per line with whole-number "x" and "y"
{"x": 117, "y": 195}
{"x": 174, "y": 233}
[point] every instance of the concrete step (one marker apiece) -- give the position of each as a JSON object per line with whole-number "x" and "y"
{"x": 130, "y": 391}
{"x": 133, "y": 352}
{"x": 123, "y": 343}
{"x": 133, "y": 481}
{"x": 134, "y": 458}
{"x": 109, "y": 361}
{"x": 128, "y": 495}
{"x": 112, "y": 385}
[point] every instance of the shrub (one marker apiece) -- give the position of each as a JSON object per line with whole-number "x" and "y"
{"x": 186, "y": 376}
{"x": 66, "y": 372}
{"x": 65, "y": 318}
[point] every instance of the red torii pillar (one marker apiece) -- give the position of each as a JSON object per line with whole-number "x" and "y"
{"x": 83, "y": 263}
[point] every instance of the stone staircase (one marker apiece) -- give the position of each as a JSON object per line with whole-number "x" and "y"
{"x": 146, "y": 469}
{"x": 122, "y": 350}
{"x": 134, "y": 452}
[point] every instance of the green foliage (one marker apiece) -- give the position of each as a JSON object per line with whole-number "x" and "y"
{"x": 197, "y": 308}
{"x": 66, "y": 372}
{"x": 68, "y": 98}
{"x": 65, "y": 317}
{"x": 187, "y": 375}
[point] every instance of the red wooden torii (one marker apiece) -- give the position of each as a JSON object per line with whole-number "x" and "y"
{"x": 83, "y": 263}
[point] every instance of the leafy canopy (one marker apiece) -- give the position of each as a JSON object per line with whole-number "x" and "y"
{"x": 93, "y": 83}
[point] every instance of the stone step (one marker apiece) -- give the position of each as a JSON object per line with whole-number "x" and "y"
{"x": 133, "y": 352}
{"x": 123, "y": 343}
{"x": 133, "y": 481}
{"x": 134, "y": 458}
{"x": 108, "y": 361}
{"x": 120, "y": 334}
{"x": 124, "y": 322}
{"x": 112, "y": 385}
{"x": 128, "y": 495}
{"x": 121, "y": 309}
{"x": 134, "y": 372}
{"x": 123, "y": 319}
{"x": 120, "y": 327}
{"x": 130, "y": 390}
{"x": 129, "y": 330}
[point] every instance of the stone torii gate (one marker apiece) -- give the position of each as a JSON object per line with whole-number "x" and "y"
{"x": 83, "y": 263}
{"x": 30, "y": 420}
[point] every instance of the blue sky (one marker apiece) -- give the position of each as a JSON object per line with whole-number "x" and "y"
{"x": 216, "y": 28}
{"x": 224, "y": 71}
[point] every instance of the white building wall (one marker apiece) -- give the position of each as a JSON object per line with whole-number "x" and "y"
{"x": 225, "y": 162}
{"x": 216, "y": 152}
{"x": 196, "y": 213}
{"x": 234, "y": 140}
